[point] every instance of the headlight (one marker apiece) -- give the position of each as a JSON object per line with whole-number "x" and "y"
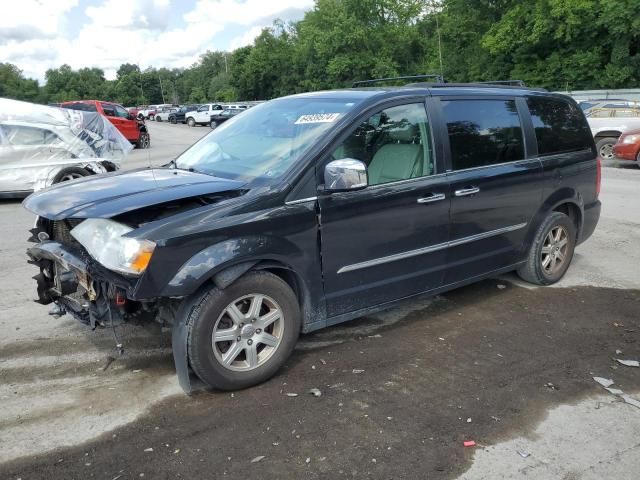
{"x": 631, "y": 139}
{"x": 104, "y": 241}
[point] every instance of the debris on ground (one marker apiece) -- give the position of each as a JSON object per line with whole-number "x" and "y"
{"x": 357, "y": 370}
{"x": 377, "y": 335}
{"x": 551, "y": 386}
{"x": 291, "y": 394}
{"x": 257, "y": 459}
{"x": 523, "y": 454}
{"x": 148, "y": 449}
{"x": 469, "y": 443}
{"x": 109, "y": 360}
{"x": 315, "y": 392}
{"x": 628, "y": 363}
{"x": 501, "y": 286}
{"x": 605, "y": 382}
{"x": 618, "y": 351}
{"x": 469, "y": 420}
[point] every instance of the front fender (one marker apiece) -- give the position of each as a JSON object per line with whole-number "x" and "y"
{"x": 245, "y": 251}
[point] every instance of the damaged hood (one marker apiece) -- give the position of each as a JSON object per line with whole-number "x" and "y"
{"x": 106, "y": 196}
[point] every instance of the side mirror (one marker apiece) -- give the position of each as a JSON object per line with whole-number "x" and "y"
{"x": 344, "y": 175}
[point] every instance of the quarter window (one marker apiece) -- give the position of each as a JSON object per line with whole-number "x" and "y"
{"x": 21, "y": 135}
{"x": 395, "y": 144}
{"x": 559, "y": 126}
{"x": 483, "y": 132}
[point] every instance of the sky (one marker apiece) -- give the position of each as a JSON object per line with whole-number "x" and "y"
{"x": 39, "y": 34}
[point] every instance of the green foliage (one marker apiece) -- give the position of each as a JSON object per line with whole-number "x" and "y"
{"x": 555, "y": 44}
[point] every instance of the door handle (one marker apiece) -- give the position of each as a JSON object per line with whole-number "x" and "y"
{"x": 432, "y": 197}
{"x": 463, "y": 192}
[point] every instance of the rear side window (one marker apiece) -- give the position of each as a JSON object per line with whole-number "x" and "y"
{"x": 109, "y": 110}
{"x": 483, "y": 132}
{"x": 559, "y": 126}
{"x": 84, "y": 107}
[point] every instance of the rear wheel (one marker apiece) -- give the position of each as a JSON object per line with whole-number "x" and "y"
{"x": 158, "y": 119}
{"x": 551, "y": 251}
{"x": 605, "y": 147}
{"x": 242, "y": 335}
{"x": 70, "y": 173}
{"x": 191, "y": 122}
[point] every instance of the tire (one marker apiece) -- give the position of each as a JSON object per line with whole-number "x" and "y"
{"x": 534, "y": 270}
{"x": 604, "y": 147}
{"x": 70, "y": 173}
{"x": 210, "y": 315}
{"x": 213, "y": 124}
{"x": 158, "y": 119}
{"x": 191, "y": 122}
{"x": 173, "y": 120}
{"x": 144, "y": 141}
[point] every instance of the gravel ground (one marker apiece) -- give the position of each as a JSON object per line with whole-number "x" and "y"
{"x": 474, "y": 364}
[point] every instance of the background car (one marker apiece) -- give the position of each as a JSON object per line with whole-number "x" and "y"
{"x": 179, "y": 114}
{"x": 608, "y": 123}
{"x": 146, "y": 112}
{"x": 202, "y": 115}
{"x": 41, "y": 146}
{"x": 628, "y": 146}
{"x": 223, "y": 116}
{"x": 162, "y": 114}
{"x": 133, "y": 130}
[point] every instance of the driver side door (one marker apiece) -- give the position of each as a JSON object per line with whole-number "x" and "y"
{"x": 388, "y": 240}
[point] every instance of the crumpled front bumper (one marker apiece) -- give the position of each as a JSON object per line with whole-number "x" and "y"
{"x": 74, "y": 283}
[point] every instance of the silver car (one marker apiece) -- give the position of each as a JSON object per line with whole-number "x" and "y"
{"x": 41, "y": 145}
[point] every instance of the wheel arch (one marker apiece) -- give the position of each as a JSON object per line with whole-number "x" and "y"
{"x": 607, "y": 134}
{"x": 565, "y": 200}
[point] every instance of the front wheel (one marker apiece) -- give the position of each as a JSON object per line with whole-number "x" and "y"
{"x": 70, "y": 173}
{"x": 144, "y": 141}
{"x": 158, "y": 119}
{"x": 551, "y": 251}
{"x": 173, "y": 120}
{"x": 213, "y": 124}
{"x": 241, "y": 336}
{"x": 604, "y": 146}
{"x": 191, "y": 122}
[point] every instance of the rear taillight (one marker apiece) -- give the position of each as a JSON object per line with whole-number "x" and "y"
{"x": 598, "y": 175}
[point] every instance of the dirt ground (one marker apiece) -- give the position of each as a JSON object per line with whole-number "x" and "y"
{"x": 395, "y": 403}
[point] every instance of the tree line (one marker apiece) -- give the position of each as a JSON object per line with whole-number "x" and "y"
{"x": 555, "y": 44}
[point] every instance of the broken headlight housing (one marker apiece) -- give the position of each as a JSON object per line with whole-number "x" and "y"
{"x": 104, "y": 240}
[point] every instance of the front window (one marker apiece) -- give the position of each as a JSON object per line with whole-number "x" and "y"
{"x": 263, "y": 142}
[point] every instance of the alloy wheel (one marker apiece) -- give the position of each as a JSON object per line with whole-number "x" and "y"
{"x": 554, "y": 250}
{"x": 70, "y": 176}
{"x": 606, "y": 151}
{"x": 248, "y": 332}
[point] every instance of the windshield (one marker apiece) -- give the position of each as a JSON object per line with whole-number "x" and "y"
{"x": 263, "y": 142}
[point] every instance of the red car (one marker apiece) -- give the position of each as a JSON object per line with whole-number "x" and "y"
{"x": 133, "y": 129}
{"x": 628, "y": 146}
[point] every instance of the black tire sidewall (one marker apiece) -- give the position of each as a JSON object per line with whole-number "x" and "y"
{"x": 65, "y": 171}
{"x": 553, "y": 220}
{"x": 202, "y": 318}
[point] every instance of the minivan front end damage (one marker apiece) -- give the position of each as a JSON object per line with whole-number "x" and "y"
{"x": 79, "y": 285}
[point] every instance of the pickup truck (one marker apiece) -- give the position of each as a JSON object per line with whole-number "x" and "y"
{"x": 202, "y": 115}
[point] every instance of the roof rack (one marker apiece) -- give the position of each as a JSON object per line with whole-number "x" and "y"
{"x": 510, "y": 83}
{"x": 437, "y": 77}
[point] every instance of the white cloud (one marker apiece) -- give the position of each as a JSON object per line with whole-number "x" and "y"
{"x": 34, "y": 33}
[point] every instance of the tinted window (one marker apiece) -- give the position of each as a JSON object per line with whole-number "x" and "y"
{"x": 121, "y": 112}
{"x": 84, "y": 107}
{"x": 394, "y": 144}
{"x": 109, "y": 110}
{"x": 483, "y": 132}
{"x": 559, "y": 125}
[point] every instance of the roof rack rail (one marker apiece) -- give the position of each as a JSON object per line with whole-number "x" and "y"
{"x": 438, "y": 78}
{"x": 511, "y": 83}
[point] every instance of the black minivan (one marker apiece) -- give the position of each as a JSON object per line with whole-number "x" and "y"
{"x": 310, "y": 210}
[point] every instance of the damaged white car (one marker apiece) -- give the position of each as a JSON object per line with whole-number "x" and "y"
{"x": 42, "y": 145}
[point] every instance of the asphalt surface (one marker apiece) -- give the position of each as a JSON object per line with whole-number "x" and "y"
{"x": 500, "y": 363}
